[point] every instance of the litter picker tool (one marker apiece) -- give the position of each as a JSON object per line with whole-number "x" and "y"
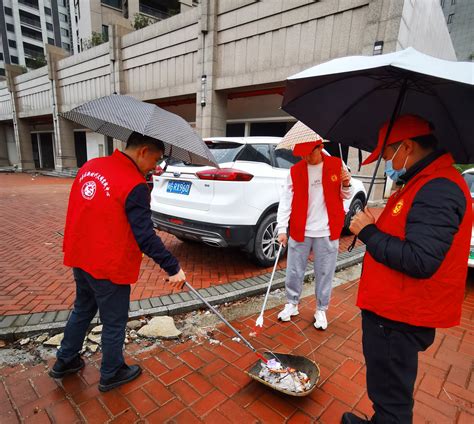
{"x": 259, "y": 321}
{"x": 192, "y": 289}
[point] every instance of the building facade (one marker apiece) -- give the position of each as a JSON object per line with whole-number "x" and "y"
{"x": 460, "y": 20}
{"x": 92, "y": 19}
{"x": 221, "y": 66}
{"x": 26, "y": 26}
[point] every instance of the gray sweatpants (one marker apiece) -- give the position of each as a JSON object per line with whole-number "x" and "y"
{"x": 325, "y": 256}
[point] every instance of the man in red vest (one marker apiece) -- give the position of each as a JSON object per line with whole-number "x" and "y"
{"x": 108, "y": 229}
{"x": 415, "y": 268}
{"x": 311, "y": 202}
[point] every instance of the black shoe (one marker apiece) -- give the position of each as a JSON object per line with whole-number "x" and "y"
{"x": 350, "y": 418}
{"x": 124, "y": 375}
{"x": 61, "y": 368}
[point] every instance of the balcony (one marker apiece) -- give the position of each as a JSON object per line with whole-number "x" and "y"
{"x": 151, "y": 11}
{"x": 30, "y": 3}
{"x": 35, "y": 35}
{"x": 29, "y": 21}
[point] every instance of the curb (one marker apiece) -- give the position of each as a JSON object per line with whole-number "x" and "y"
{"x": 17, "y": 326}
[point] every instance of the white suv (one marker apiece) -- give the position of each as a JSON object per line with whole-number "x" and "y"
{"x": 235, "y": 205}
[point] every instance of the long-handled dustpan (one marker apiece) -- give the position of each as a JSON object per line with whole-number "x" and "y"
{"x": 289, "y": 361}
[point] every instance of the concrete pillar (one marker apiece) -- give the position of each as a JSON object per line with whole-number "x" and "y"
{"x": 211, "y": 105}
{"x": 20, "y": 127}
{"x": 3, "y": 147}
{"x": 116, "y": 68}
{"x": 64, "y": 147}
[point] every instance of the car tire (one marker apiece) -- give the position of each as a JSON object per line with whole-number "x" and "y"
{"x": 265, "y": 243}
{"x": 356, "y": 206}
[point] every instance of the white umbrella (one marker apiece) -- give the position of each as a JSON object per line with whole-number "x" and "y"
{"x": 299, "y": 133}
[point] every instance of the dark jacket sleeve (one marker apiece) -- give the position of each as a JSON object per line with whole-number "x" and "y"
{"x": 137, "y": 208}
{"x": 432, "y": 222}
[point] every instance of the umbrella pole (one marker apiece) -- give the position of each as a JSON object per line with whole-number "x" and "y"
{"x": 395, "y": 113}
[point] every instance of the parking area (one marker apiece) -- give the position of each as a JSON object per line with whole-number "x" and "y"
{"x": 33, "y": 278}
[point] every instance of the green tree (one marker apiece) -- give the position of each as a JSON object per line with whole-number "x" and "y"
{"x": 141, "y": 21}
{"x": 95, "y": 40}
{"x": 36, "y": 62}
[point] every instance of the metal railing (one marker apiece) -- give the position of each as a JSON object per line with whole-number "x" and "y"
{"x": 32, "y": 53}
{"x": 151, "y": 11}
{"x": 31, "y": 34}
{"x": 30, "y": 21}
{"x": 30, "y": 3}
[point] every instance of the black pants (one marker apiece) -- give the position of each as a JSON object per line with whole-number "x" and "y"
{"x": 391, "y": 357}
{"x": 112, "y": 301}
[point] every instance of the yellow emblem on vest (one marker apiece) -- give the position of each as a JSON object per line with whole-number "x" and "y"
{"x": 397, "y": 208}
{"x": 334, "y": 178}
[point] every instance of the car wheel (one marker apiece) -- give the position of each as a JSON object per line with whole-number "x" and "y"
{"x": 356, "y": 206}
{"x": 266, "y": 241}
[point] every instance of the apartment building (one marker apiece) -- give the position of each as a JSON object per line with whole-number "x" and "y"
{"x": 26, "y": 26}
{"x": 460, "y": 20}
{"x": 91, "y": 19}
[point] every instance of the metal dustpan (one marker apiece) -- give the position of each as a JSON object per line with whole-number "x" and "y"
{"x": 299, "y": 363}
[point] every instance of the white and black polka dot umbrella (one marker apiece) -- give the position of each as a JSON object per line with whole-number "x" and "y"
{"x": 119, "y": 116}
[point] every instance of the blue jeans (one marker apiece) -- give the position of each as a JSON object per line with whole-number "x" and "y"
{"x": 112, "y": 301}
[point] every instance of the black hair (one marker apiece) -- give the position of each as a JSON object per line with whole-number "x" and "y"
{"x": 138, "y": 140}
{"x": 427, "y": 142}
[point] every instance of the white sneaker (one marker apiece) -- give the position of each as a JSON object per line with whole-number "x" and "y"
{"x": 289, "y": 311}
{"x": 321, "y": 321}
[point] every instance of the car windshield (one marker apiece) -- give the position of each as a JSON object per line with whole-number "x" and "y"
{"x": 469, "y": 178}
{"x": 222, "y": 151}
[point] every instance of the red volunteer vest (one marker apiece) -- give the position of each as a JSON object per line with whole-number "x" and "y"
{"x": 332, "y": 195}
{"x": 98, "y": 237}
{"x": 433, "y": 302}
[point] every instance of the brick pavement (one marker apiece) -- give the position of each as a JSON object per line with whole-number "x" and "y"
{"x": 190, "y": 382}
{"x": 33, "y": 278}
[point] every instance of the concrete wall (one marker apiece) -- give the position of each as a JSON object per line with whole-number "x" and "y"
{"x": 33, "y": 91}
{"x": 5, "y": 103}
{"x": 423, "y": 27}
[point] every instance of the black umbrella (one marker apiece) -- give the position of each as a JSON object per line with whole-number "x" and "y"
{"x": 119, "y": 116}
{"x": 348, "y": 99}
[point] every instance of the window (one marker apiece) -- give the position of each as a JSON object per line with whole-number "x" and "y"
{"x": 49, "y": 26}
{"x": 453, "y": 2}
{"x": 62, "y": 3}
{"x": 235, "y": 130}
{"x": 442, "y": 3}
{"x": 10, "y": 28}
{"x": 113, "y": 3}
{"x": 12, "y": 43}
{"x": 255, "y": 153}
{"x": 51, "y": 41}
{"x": 47, "y": 10}
{"x": 2, "y": 72}
{"x": 62, "y": 17}
{"x": 284, "y": 158}
{"x": 66, "y": 46}
{"x": 64, "y": 32}
{"x": 1, "y": 56}
{"x": 105, "y": 33}
{"x": 450, "y": 18}
{"x": 14, "y": 60}
{"x": 8, "y": 11}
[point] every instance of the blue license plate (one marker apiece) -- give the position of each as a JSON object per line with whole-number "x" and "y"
{"x": 180, "y": 187}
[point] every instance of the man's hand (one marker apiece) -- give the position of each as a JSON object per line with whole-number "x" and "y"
{"x": 283, "y": 239}
{"x": 178, "y": 278}
{"x": 361, "y": 220}
{"x": 345, "y": 177}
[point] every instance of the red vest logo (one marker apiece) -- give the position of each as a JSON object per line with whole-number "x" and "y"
{"x": 334, "y": 178}
{"x": 88, "y": 190}
{"x": 397, "y": 208}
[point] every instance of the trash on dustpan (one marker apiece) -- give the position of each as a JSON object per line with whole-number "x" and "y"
{"x": 284, "y": 378}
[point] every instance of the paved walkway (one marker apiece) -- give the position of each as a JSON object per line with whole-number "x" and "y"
{"x": 33, "y": 278}
{"x": 190, "y": 382}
